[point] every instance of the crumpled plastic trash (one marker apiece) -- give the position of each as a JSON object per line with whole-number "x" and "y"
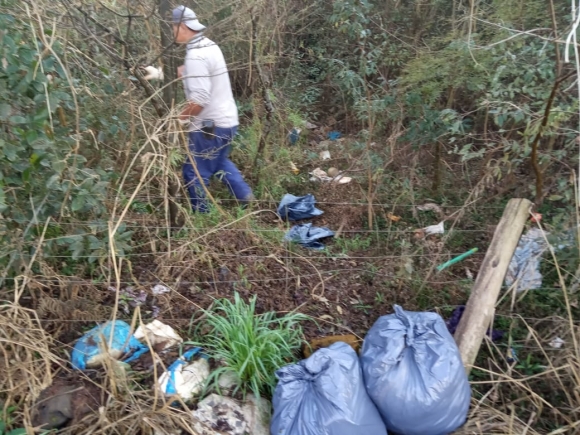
{"x": 93, "y": 349}
{"x": 525, "y": 263}
{"x": 456, "y": 315}
{"x": 324, "y": 395}
{"x": 334, "y": 135}
{"x": 158, "y": 333}
{"x": 160, "y": 289}
{"x": 435, "y": 229}
{"x": 294, "y": 135}
{"x": 153, "y": 73}
{"x": 184, "y": 379}
{"x": 320, "y": 175}
{"x": 557, "y": 343}
{"x": 414, "y": 374}
{"x": 295, "y": 208}
{"x": 308, "y": 236}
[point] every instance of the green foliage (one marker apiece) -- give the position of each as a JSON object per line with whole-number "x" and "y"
{"x": 43, "y": 174}
{"x": 249, "y": 345}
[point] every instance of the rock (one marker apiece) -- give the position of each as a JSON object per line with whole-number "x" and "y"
{"x": 65, "y": 403}
{"x": 227, "y": 382}
{"x": 257, "y": 412}
{"x": 217, "y": 415}
{"x": 332, "y": 172}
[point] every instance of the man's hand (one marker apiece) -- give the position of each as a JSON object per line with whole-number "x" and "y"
{"x": 190, "y": 110}
{"x": 180, "y": 71}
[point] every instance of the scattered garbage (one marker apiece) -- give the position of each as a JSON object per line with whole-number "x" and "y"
{"x": 130, "y": 298}
{"x": 109, "y": 340}
{"x": 153, "y": 73}
{"x": 320, "y": 175}
{"x": 512, "y": 355}
{"x": 393, "y": 218}
{"x": 525, "y": 263}
{"x": 319, "y": 343}
{"x": 294, "y": 168}
{"x": 184, "y": 379}
{"x": 456, "y": 259}
{"x": 295, "y": 208}
{"x": 456, "y": 315}
{"x": 324, "y": 155}
{"x": 536, "y": 218}
{"x": 333, "y": 135}
{"x": 414, "y": 374}
{"x": 430, "y": 207}
{"x": 324, "y": 395}
{"x": 309, "y": 125}
{"x": 434, "y": 229}
{"x": 308, "y": 236}
{"x": 218, "y": 415}
{"x": 294, "y": 135}
{"x": 160, "y": 289}
{"x": 557, "y": 343}
{"x": 160, "y": 335}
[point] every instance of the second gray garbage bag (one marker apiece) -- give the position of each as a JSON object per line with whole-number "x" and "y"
{"x": 414, "y": 374}
{"x": 324, "y": 395}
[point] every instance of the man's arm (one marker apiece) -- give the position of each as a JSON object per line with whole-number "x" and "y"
{"x": 197, "y": 85}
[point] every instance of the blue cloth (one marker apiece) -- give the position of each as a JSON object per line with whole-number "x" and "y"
{"x": 211, "y": 155}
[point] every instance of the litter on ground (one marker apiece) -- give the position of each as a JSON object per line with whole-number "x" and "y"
{"x": 295, "y": 208}
{"x": 524, "y": 266}
{"x": 160, "y": 335}
{"x": 186, "y": 380}
{"x": 308, "y": 236}
{"x": 109, "y": 340}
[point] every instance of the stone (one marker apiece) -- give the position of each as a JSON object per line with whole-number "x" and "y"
{"x": 257, "y": 412}
{"x": 227, "y": 382}
{"x": 217, "y": 415}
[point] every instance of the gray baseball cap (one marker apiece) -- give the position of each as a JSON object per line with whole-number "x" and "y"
{"x": 184, "y": 15}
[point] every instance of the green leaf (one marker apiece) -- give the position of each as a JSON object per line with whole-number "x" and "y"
{"x": 18, "y": 120}
{"x": 78, "y": 203}
{"x": 555, "y": 197}
{"x": 5, "y": 111}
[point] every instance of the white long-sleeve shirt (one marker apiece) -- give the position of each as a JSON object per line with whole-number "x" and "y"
{"x": 207, "y": 83}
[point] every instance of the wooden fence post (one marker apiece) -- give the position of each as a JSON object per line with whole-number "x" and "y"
{"x": 481, "y": 304}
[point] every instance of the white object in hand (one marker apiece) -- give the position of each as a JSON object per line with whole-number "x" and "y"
{"x": 153, "y": 73}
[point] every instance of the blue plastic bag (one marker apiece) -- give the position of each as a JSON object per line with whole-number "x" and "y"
{"x": 295, "y": 208}
{"x": 308, "y": 236}
{"x": 89, "y": 349}
{"x": 324, "y": 395}
{"x": 414, "y": 374}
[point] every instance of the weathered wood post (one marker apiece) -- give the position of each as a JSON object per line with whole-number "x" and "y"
{"x": 481, "y": 304}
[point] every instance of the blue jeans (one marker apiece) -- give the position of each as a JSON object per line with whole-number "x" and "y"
{"x": 211, "y": 155}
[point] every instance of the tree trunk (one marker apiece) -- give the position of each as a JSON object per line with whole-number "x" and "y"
{"x": 170, "y": 72}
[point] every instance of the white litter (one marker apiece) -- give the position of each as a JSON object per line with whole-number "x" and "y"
{"x": 158, "y": 333}
{"x": 160, "y": 289}
{"x": 324, "y": 155}
{"x": 309, "y": 125}
{"x": 153, "y": 73}
{"x": 320, "y": 175}
{"x": 185, "y": 380}
{"x": 435, "y": 229}
{"x": 557, "y": 343}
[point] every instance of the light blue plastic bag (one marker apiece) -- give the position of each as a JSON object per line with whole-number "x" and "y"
{"x": 324, "y": 395}
{"x": 90, "y": 345}
{"x": 414, "y": 374}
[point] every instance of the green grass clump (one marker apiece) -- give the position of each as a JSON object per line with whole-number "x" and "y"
{"x": 250, "y": 346}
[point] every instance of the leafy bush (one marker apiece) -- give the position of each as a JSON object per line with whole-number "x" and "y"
{"x": 250, "y": 346}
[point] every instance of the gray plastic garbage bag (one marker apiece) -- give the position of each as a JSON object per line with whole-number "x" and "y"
{"x": 324, "y": 395}
{"x": 414, "y": 374}
{"x": 295, "y": 208}
{"x": 88, "y": 351}
{"x": 308, "y": 236}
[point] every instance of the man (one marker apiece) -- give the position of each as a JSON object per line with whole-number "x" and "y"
{"x": 210, "y": 114}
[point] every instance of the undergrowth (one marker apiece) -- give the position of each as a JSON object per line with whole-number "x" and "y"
{"x": 249, "y": 345}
